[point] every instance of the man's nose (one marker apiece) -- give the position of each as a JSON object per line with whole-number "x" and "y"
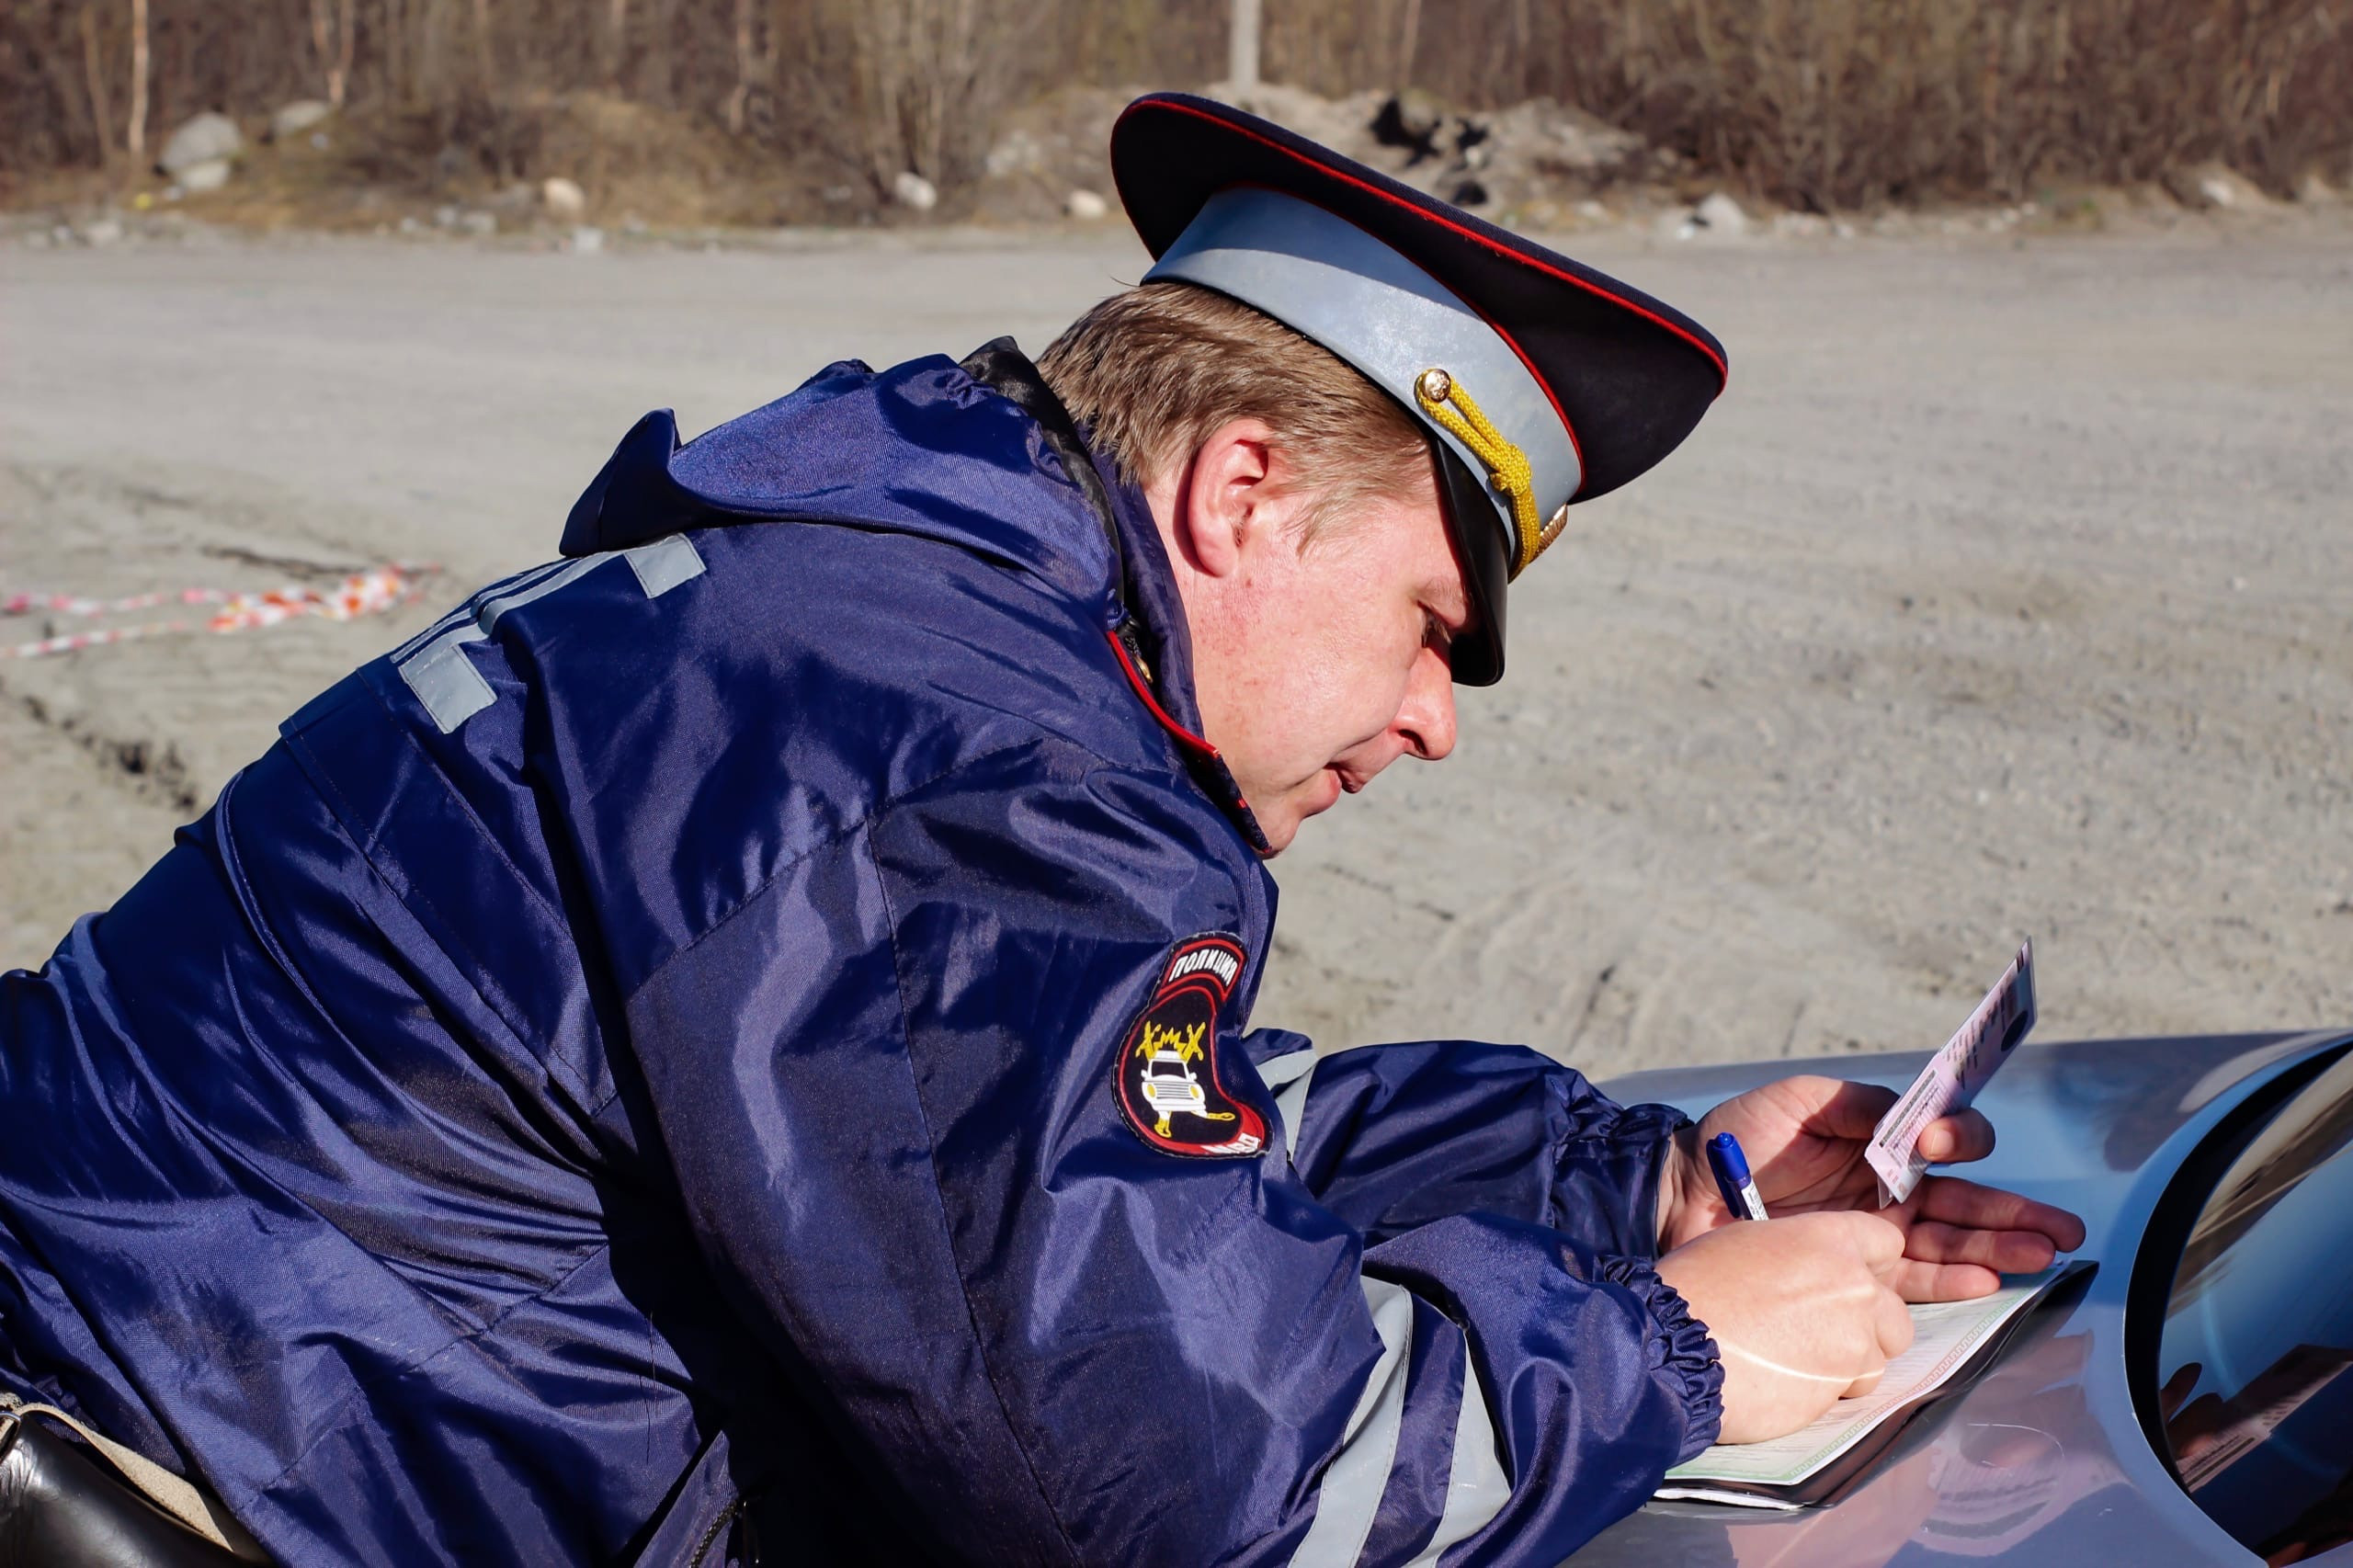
{"x": 1426, "y": 717}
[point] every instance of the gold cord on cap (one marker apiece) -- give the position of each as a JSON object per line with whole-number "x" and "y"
{"x": 1443, "y": 399}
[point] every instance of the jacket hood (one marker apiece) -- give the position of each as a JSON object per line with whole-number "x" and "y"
{"x": 920, "y": 448}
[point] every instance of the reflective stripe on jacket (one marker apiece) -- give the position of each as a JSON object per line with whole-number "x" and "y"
{"x": 669, "y": 1045}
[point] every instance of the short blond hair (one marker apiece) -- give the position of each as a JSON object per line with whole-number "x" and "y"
{"x": 1153, "y": 372}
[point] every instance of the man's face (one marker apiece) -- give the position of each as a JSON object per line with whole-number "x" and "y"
{"x": 1315, "y": 668}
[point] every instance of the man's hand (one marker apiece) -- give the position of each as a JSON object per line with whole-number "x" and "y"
{"x": 1801, "y": 1310}
{"x": 1804, "y": 1139}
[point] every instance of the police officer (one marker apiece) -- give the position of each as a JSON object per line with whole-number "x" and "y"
{"x": 731, "y": 1043}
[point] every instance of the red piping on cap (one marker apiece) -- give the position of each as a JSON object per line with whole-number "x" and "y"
{"x": 1723, "y": 374}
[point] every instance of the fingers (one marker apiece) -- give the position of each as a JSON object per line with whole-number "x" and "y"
{"x": 1954, "y": 1140}
{"x": 2004, "y": 1251}
{"x": 1918, "y": 1282}
{"x": 1878, "y": 1242}
{"x": 1860, "y": 1387}
{"x": 1969, "y": 1206}
{"x": 2177, "y": 1389}
{"x": 1841, "y": 1109}
{"x": 1892, "y": 1324}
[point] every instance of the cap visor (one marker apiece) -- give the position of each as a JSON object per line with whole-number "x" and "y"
{"x": 1471, "y": 517}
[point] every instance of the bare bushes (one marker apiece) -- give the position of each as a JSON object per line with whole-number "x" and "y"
{"x": 1845, "y": 103}
{"x": 911, "y": 86}
{"x": 1821, "y": 103}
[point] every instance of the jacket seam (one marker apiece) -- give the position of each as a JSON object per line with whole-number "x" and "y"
{"x": 363, "y": 1385}
{"x": 939, "y": 1199}
{"x": 477, "y": 973}
{"x": 844, "y": 835}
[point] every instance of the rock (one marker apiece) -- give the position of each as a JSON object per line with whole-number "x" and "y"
{"x": 446, "y": 215}
{"x": 1551, "y": 139}
{"x": 294, "y": 119}
{"x": 100, "y": 232}
{"x": 2225, "y": 189}
{"x": 1720, "y": 214}
{"x": 319, "y": 141}
{"x": 587, "y": 241}
{"x": 2211, "y": 185}
{"x": 481, "y": 225}
{"x": 2314, "y": 190}
{"x": 563, "y": 199}
{"x": 210, "y": 174}
{"x": 1412, "y": 121}
{"x": 1018, "y": 153}
{"x": 1086, "y": 207}
{"x": 207, "y": 139}
{"x": 910, "y": 191}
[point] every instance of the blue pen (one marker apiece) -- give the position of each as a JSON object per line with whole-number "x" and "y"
{"x": 1732, "y": 1178}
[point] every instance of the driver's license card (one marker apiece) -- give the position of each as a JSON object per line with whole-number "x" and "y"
{"x": 1952, "y": 1078}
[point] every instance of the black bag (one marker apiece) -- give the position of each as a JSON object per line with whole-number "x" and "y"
{"x": 61, "y": 1508}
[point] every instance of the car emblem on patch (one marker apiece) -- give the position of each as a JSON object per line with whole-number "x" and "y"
{"x": 1165, "y": 1077}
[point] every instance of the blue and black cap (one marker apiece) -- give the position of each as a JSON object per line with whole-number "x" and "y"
{"x": 1540, "y": 381}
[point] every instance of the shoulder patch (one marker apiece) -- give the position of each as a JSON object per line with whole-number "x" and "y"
{"x": 1166, "y": 1076}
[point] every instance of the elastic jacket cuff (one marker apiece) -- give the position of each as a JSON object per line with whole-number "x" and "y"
{"x": 1606, "y": 1176}
{"x": 1685, "y": 1357}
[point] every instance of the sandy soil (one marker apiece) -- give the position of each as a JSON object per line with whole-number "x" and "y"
{"x": 2009, "y": 592}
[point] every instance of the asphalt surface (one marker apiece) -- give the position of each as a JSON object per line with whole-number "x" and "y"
{"x": 2009, "y": 592}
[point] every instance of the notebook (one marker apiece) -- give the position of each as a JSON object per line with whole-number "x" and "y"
{"x": 1952, "y": 1343}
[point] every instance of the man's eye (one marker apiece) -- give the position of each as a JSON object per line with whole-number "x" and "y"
{"x": 1434, "y": 632}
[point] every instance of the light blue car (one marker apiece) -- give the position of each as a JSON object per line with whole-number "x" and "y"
{"x": 2191, "y": 1402}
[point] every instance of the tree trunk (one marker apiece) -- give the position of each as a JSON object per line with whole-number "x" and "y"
{"x": 135, "y": 138}
{"x": 335, "y": 27}
{"x": 94, "y": 71}
{"x": 486, "y": 60}
{"x": 744, "y": 62}
{"x": 339, "y": 77}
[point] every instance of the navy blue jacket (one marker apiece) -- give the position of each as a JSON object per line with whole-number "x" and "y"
{"x": 745, "y": 1025}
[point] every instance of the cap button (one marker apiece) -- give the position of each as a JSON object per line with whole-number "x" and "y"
{"x": 1436, "y": 385}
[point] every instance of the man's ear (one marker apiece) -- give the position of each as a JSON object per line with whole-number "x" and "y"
{"x": 1225, "y": 496}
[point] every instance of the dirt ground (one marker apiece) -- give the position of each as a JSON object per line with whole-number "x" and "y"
{"x": 2009, "y": 592}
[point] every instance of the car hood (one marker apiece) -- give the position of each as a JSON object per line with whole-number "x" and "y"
{"x": 2042, "y": 1459}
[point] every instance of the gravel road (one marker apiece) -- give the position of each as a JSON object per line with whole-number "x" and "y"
{"x": 2009, "y": 592}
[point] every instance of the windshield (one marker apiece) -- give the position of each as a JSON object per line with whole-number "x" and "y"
{"x": 2254, "y": 1363}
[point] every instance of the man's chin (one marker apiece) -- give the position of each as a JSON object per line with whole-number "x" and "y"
{"x": 1311, "y": 799}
